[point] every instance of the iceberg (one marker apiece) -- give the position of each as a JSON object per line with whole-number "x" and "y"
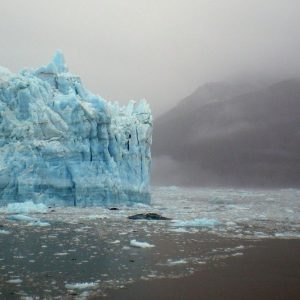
{"x": 60, "y": 144}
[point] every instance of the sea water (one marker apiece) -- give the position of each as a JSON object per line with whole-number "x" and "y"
{"x": 57, "y": 252}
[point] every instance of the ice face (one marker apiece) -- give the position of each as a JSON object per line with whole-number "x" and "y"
{"x": 60, "y": 144}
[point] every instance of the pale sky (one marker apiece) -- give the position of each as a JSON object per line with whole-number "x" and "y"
{"x": 161, "y": 50}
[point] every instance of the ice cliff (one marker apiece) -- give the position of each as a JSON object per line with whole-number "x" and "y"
{"x": 60, "y": 144}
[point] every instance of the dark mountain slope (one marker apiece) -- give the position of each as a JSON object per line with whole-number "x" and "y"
{"x": 234, "y": 138}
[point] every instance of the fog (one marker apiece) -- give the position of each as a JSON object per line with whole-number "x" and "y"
{"x": 224, "y": 134}
{"x": 161, "y": 50}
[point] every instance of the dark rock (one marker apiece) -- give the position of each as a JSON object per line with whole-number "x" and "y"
{"x": 148, "y": 216}
{"x": 113, "y": 208}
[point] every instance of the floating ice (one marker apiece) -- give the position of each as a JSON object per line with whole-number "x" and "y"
{"x": 81, "y": 285}
{"x": 62, "y": 145}
{"x": 135, "y": 243}
{"x": 31, "y": 221}
{"x": 3, "y": 231}
{"x": 21, "y": 218}
{"x": 203, "y": 222}
{"x": 39, "y": 223}
{"x": 179, "y": 230}
{"x": 172, "y": 263}
{"x": 94, "y": 217}
{"x": 237, "y": 254}
{"x": 16, "y": 280}
{"x": 26, "y": 207}
{"x": 61, "y": 253}
{"x": 287, "y": 234}
{"x": 115, "y": 242}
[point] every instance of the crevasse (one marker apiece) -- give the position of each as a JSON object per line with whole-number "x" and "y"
{"x": 62, "y": 145}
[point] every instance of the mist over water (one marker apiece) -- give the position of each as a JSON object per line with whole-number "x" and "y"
{"x": 232, "y": 135}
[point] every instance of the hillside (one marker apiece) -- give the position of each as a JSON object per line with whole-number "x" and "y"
{"x": 230, "y": 135}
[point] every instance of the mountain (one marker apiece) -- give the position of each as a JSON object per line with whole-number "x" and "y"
{"x": 232, "y": 135}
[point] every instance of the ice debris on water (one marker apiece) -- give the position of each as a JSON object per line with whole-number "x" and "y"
{"x": 30, "y": 221}
{"x": 137, "y": 244}
{"x": 21, "y": 218}
{"x": 202, "y": 222}
{"x": 237, "y": 254}
{"x": 172, "y": 263}
{"x": 115, "y": 242}
{"x": 85, "y": 243}
{"x": 62, "y": 145}
{"x": 16, "y": 281}
{"x": 39, "y": 223}
{"x": 26, "y": 207}
{"x": 81, "y": 285}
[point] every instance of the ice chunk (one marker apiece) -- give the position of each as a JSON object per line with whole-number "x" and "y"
{"x": 3, "y": 231}
{"x": 21, "y": 218}
{"x": 16, "y": 280}
{"x": 203, "y": 222}
{"x": 31, "y": 221}
{"x": 26, "y": 207}
{"x": 237, "y": 254}
{"x": 62, "y": 145}
{"x": 39, "y": 223}
{"x": 135, "y": 243}
{"x": 172, "y": 263}
{"x": 81, "y": 285}
{"x": 115, "y": 242}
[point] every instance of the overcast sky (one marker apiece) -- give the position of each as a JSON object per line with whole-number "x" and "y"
{"x": 158, "y": 49}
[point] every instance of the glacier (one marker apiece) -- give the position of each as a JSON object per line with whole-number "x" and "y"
{"x": 62, "y": 145}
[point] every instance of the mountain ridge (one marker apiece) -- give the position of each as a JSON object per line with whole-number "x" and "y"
{"x": 250, "y": 138}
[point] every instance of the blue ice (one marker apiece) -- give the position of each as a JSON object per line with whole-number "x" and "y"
{"x": 60, "y": 144}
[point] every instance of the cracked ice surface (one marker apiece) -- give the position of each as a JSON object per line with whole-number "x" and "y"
{"x": 61, "y": 144}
